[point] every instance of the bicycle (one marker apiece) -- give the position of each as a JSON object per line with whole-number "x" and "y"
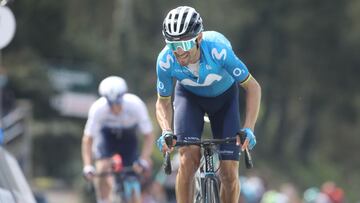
{"x": 207, "y": 188}
{"x": 126, "y": 180}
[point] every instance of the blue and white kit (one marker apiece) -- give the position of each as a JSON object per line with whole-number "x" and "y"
{"x": 211, "y": 88}
{"x": 117, "y": 133}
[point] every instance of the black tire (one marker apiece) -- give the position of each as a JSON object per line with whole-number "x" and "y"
{"x": 212, "y": 194}
{"x": 118, "y": 189}
{"x": 118, "y": 194}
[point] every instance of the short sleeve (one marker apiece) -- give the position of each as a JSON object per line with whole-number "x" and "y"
{"x": 224, "y": 53}
{"x": 144, "y": 122}
{"x": 235, "y": 67}
{"x": 92, "y": 126}
{"x": 164, "y": 78}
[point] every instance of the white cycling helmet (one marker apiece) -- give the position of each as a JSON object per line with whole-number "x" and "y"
{"x": 113, "y": 88}
{"x": 182, "y": 22}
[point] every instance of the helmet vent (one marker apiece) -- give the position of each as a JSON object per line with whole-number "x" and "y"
{"x": 181, "y": 23}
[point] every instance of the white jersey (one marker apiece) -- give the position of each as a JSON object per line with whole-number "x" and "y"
{"x": 133, "y": 113}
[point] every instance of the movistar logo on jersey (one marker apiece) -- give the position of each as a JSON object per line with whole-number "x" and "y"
{"x": 210, "y": 79}
{"x": 219, "y": 56}
{"x": 160, "y": 85}
{"x": 166, "y": 65}
{"x": 218, "y": 68}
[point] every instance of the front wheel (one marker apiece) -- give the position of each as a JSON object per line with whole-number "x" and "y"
{"x": 212, "y": 194}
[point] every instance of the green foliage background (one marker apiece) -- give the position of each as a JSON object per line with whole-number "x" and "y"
{"x": 303, "y": 53}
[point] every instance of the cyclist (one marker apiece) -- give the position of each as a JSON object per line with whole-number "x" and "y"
{"x": 112, "y": 125}
{"x": 207, "y": 72}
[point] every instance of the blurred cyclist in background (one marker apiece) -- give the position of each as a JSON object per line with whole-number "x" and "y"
{"x": 113, "y": 122}
{"x": 208, "y": 75}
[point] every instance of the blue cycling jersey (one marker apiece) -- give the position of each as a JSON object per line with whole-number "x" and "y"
{"x": 219, "y": 68}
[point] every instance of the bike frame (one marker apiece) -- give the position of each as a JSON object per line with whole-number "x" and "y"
{"x": 209, "y": 190}
{"x": 123, "y": 181}
{"x": 209, "y": 183}
{"x": 120, "y": 179}
{"x": 207, "y": 178}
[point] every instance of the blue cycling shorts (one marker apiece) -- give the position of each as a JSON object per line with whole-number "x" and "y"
{"x": 121, "y": 141}
{"x": 223, "y": 112}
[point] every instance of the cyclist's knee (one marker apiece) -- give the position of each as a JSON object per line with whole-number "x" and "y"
{"x": 229, "y": 172}
{"x": 189, "y": 159}
{"x": 103, "y": 165}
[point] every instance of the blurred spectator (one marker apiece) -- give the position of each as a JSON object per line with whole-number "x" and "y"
{"x": 252, "y": 189}
{"x": 329, "y": 193}
{"x": 8, "y": 100}
{"x": 322, "y": 198}
{"x": 273, "y": 196}
{"x": 335, "y": 193}
{"x": 291, "y": 192}
{"x": 311, "y": 194}
{"x": 7, "y": 96}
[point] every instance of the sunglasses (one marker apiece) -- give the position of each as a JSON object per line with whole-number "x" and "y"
{"x": 184, "y": 45}
{"x": 118, "y": 100}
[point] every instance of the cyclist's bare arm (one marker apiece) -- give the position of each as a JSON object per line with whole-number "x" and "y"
{"x": 147, "y": 146}
{"x": 86, "y": 146}
{"x": 253, "y": 97}
{"x": 164, "y": 112}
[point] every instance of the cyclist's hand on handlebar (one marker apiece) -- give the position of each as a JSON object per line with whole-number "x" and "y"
{"x": 89, "y": 172}
{"x": 161, "y": 144}
{"x": 250, "y": 141}
{"x": 142, "y": 165}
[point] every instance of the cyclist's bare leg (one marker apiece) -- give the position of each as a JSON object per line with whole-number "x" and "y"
{"x": 229, "y": 176}
{"x": 136, "y": 198}
{"x": 103, "y": 184}
{"x": 189, "y": 163}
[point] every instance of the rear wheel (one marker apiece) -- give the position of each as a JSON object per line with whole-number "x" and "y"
{"x": 118, "y": 194}
{"x": 212, "y": 194}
